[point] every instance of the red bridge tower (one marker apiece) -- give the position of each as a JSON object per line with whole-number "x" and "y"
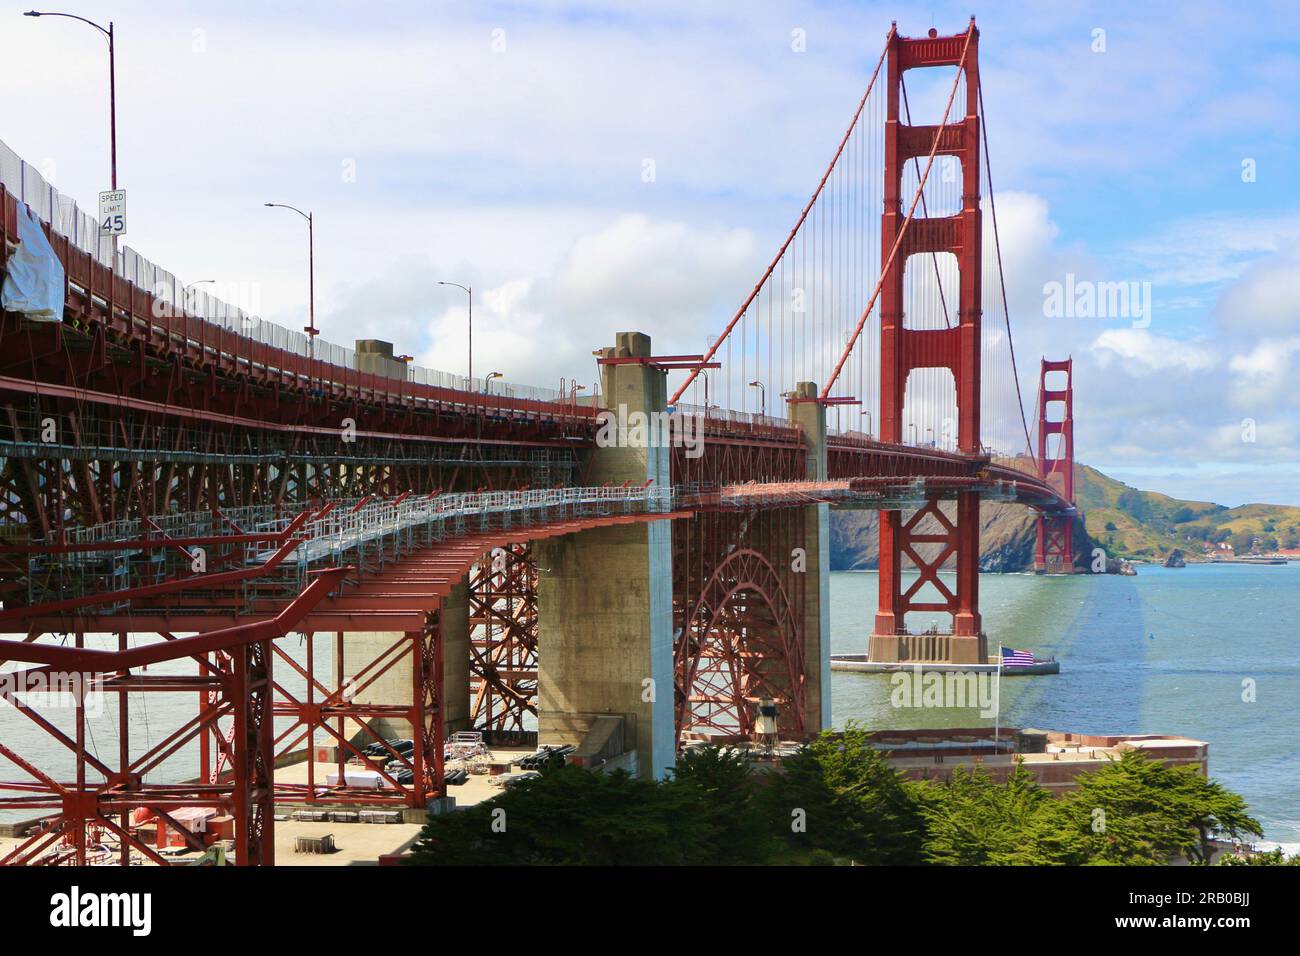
{"x": 904, "y": 349}
{"x": 1055, "y": 551}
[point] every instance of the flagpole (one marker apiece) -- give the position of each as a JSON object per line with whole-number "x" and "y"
{"x": 997, "y": 710}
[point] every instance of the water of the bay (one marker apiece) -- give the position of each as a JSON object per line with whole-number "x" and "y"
{"x": 1170, "y": 651}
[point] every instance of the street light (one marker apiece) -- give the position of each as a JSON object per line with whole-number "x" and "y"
{"x": 469, "y": 292}
{"x": 912, "y": 425}
{"x": 487, "y": 382}
{"x": 310, "y": 328}
{"x": 867, "y": 412}
{"x": 112, "y": 97}
{"x": 112, "y": 81}
{"x": 762, "y": 396}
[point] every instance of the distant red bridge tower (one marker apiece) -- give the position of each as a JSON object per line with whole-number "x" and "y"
{"x": 1055, "y": 551}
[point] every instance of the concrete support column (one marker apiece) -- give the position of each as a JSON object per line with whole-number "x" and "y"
{"x": 604, "y": 596}
{"x": 454, "y": 622}
{"x": 810, "y": 415}
{"x": 394, "y": 686}
{"x": 391, "y": 687}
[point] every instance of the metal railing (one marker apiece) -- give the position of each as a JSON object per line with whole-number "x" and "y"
{"x": 716, "y": 413}
{"x": 363, "y": 533}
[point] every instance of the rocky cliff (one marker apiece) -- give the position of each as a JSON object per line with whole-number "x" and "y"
{"x": 1007, "y": 538}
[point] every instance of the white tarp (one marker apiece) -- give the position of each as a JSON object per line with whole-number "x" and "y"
{"x": 34, "y": 284}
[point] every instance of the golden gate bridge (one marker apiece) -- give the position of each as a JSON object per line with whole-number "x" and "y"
{"x": 186, "y": 485}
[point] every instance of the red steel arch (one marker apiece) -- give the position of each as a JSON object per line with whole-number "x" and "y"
{"x": 742, "y": 641}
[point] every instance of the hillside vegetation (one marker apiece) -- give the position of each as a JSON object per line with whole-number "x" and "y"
{"x": 1125, "y": 521}
{"x": 1131, "y": 523}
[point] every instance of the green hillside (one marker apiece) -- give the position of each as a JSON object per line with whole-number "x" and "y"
{"x": 1128, "y": 522}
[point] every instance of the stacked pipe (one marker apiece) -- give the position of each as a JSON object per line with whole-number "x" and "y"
{"x": 545, "y": 755}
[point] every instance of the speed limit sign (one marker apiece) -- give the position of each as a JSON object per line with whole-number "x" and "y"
{"x": 112, "y": 212}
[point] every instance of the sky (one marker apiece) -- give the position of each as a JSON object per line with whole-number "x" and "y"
{"x": 501, "y": 145}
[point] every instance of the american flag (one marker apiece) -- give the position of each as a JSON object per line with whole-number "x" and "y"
{"x": 1014, "y": 658}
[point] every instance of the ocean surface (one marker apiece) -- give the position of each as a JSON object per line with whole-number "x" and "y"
{"x": 1170, "y": 651}
{"x": 1167, "y": 651}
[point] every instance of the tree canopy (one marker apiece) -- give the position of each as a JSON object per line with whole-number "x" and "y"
{"x": 838, "y": 800}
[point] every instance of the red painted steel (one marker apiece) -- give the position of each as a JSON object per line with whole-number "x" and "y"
{"x": 904, "y": 349}
{"x": 1054, "y": 550}
{"x": 236, "y": 683}
{"x": 503, "y": 620}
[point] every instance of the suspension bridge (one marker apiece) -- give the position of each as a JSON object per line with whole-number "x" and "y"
{"x": 188, "y": 491}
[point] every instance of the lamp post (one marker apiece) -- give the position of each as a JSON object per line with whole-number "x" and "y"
{"x": 867, "y": 412}
{"x": 912, "y": 426}
{"x": 310, "y": 328}
{"x": 469, "y": 292}
{"x": 112, "y": 81}
{"x": 487, "y": 382}
{"x": 112, "y": 97}
{"x": 762, "y": 397}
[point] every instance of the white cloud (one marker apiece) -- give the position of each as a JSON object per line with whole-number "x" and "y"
{"x": 1140, "y": 349}
{"x": 1266, "y": 375}
{"x": 671, "y": 279}
{"x": 1266, "y": 300}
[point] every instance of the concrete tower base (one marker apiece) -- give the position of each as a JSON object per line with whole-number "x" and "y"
{"x": 604, "y": 596}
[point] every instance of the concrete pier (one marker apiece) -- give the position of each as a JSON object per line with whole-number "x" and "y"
{"x": 604, "y": 596}
{"x": 810, "y": 415}
{"x": 454, "y": 621}
{"x": 394, "y": 685}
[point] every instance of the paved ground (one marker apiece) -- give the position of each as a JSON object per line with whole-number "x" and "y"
{"x": 359, "y": 844}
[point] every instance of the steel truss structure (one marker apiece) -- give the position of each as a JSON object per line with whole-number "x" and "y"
{"x": 345, "y": 716}
{"x": 231, "y": 734}
{"x": 398, "y": 560}
{"x": 503, "y": 641}
{"x": 738, "y": 611}
{"x": 73, "y": 462}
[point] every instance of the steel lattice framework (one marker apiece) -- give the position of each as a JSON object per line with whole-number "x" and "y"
{"x": 503, "y": 641}
{"x": 738, "y": 611}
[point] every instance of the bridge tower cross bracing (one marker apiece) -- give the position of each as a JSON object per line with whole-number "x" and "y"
{"x": 904, "y": 349}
